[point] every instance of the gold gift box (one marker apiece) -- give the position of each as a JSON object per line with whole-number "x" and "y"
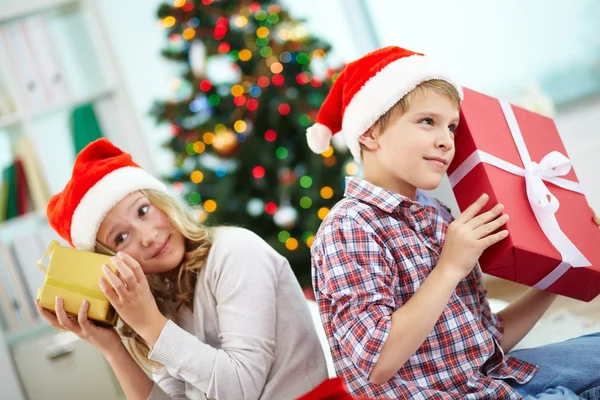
{"x": 73, "y": 275}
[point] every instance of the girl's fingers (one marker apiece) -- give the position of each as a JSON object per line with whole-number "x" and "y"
{"x": 125, "y": 272}
{"x": 82, "y": 316}
{"x": 62, "y": 316}
{"x": 108, "y": 291}
{"x": 133, "y": 265}
{"x": 116, "y": 282}
{"x": 48, "y": 315}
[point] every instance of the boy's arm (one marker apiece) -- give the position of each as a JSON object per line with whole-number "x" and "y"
{"x": 520, "y": 316}
{"x": 378, "y": 334}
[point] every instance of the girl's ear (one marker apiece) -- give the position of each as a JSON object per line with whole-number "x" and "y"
{"x": 370, "y": 139}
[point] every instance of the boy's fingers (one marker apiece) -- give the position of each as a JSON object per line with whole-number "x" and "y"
{"x": 492, "y": 226}
{"x": 495, "y": 238}
{"x": 486, "y": 217}
{"x": 473, "y": 209}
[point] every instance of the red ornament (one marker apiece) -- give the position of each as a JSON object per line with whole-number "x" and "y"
{"x": 224, "y": 47}
{"x": 187, "y": 7}
{"x": 239, "y": 100}
{"x": 252, "y": 104}
{"x": 270, "y": 135}
{"x": 263, "y": 81}
{"x": 271, "y": 208}
{"x": 258, "y": 172}
{"x": 284, "y": 109}
{"x": 316, "y": 81}
{"x": 302, "y": 78}
{"x": 205, "y": 85}
{"x": 278, "y": 79}
{"x": 254, "y": 7}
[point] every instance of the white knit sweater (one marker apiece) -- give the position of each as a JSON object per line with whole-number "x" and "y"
{"x": 250, "y": 336}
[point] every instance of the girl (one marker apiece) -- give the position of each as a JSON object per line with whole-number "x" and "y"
{"x": 219, "y": 309}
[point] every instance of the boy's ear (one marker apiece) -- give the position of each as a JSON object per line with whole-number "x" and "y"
{"x": 370, "y": 139}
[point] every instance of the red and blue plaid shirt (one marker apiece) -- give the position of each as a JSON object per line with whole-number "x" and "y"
{"x": 372, "y": 252}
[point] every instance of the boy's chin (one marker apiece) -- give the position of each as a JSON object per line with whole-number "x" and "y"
{"x": 429, "y": 184}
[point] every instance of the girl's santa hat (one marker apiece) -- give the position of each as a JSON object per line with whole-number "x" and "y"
{"x": 366, "y": 89}
{"x": 102, "y": 176}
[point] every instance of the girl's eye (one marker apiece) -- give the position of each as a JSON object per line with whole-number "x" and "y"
{"x": 143, "y": 210}
{"x": 452, "y": 128}
{"x": 120, "y": 238}
{"x": 428, "y": 121}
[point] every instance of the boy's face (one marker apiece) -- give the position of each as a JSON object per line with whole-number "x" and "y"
{"x": 416, "y": 147}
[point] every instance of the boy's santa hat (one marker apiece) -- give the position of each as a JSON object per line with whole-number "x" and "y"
{"x": 102, "y": 176}
{"x": 366, "y": 89}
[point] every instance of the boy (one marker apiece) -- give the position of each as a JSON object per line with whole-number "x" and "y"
{"x": 397, "y": 282}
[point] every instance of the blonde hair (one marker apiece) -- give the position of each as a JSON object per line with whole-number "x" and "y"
{"x": 436, "y": 85}
{"x": 170, "y": 295}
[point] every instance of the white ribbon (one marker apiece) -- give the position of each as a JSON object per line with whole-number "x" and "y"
{"x": 543, "y": 203}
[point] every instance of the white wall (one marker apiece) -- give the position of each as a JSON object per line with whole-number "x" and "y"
{"x": 508, "y": 56}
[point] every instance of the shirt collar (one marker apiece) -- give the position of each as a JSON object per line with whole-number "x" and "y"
{"x": 376, "y": 196}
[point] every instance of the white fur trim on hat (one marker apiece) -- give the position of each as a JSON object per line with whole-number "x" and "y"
{"x": 318, "y": 137}
{"x": 102, "y": 197}
{"x": 383, "y": 90}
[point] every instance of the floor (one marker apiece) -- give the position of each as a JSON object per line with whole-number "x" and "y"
{"x": 565, "y": 319}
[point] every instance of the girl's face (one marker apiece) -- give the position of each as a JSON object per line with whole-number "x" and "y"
{"x": 144, "y": 232}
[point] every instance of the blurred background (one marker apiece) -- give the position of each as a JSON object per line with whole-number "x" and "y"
{"x": 214, "y": 97}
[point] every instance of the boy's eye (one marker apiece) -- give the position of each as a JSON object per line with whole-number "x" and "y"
{"x": 143, "y": 210}
{"x": 428, "y": 121}
{"x": 452, "y": 128}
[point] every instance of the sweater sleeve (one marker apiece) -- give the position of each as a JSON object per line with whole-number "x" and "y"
{"x": 167, "y": 387}
{"x": 242, "y": 276}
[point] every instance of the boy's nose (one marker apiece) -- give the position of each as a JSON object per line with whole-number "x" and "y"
{"x": 445, "y": 141}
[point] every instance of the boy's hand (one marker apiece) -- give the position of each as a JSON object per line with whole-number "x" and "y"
{"x": 596, "y": 218}
{"x": 468, "y": 236}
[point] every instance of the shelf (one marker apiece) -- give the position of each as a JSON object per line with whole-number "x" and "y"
{"x": 40, "y": 328}
{"x": 20, "y": 225}
{"x": 74, "y": 102}
{"x": 10, "y": 120}
{"x": 19, "y": 8}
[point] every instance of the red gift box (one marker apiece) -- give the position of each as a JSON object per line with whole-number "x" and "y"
{"x": 518, "y": 159}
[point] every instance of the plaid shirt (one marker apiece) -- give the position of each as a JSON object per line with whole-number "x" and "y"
{"x": 371, "y": 254}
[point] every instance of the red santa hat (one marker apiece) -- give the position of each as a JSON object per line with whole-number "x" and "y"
{"x": 366, "y": 89}
{"x": 102, "y": 176}
{"x": 330, "y": 389}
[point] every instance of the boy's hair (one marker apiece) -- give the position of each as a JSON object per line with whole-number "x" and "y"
{"x": 438, "y": 86}
{"x": 170, "y": 295}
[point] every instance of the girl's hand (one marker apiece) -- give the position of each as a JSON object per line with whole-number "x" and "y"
{"x": 596, "y": 219}
{"x": 131, "y": 297}
{"x": 105, "y": 339}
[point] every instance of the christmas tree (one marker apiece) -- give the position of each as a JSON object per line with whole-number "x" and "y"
{"x": 251, "y": 81}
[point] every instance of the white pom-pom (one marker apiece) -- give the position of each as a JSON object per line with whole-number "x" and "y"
{"x": 318, "y": 137}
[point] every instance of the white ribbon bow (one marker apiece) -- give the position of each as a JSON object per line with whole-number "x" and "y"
{"x": 543, "y": 203}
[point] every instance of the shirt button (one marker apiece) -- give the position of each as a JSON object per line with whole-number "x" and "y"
{"x": 414, "y": 208}
{"x": 424, "y": 224}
